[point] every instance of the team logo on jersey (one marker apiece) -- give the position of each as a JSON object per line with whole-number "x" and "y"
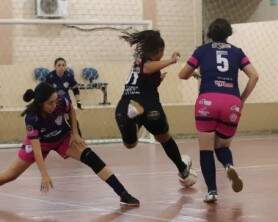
{"x": 205, "y": 102}
{"x": 66, "y": 84}
{"x": 233, "y": 117}
{"x": 59, "y": 120}
{"x": 224, "y": 84}
{"x": 203, "y": 111}
{"x": 235, "y": 108}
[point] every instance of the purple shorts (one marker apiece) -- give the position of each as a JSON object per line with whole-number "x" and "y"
{"x": 218, "y": 112}
{"x": 26, "y": 152}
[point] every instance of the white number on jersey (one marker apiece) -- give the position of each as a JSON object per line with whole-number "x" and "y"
{"x": 222, "y": 61}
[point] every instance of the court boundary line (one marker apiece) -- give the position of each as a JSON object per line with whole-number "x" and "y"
{"x": 163, "y": 173}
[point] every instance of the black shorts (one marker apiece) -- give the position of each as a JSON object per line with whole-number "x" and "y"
{"x": 153, "y": 119}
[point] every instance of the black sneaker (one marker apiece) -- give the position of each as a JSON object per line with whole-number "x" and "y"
{"x": 128, "y": 200}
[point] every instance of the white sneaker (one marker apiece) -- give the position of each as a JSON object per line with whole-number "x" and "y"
{"x": 237, "y": 183}
{"x": 211, "y": 197}
{"x": 188, "y": 177}
{"x": 134, "y": 109}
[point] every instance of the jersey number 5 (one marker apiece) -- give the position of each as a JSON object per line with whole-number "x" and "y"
{"x": 222, "y": 61}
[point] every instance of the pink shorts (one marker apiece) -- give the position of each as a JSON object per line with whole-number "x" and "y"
{"x": 218, "y": 112}
{"x": 26, "y": 152}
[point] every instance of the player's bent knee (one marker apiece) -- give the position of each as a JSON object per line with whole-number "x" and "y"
{"x": 163, "y": 138}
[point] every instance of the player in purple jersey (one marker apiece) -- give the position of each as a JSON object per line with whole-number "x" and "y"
{"x": 63, "y": 81}
{"x": 46, "y": 130}
{"x": 140, "y": 103}
{"x": 218, "y": 107}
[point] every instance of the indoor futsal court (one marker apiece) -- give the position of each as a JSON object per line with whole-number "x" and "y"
{"x": 138, "y": 110}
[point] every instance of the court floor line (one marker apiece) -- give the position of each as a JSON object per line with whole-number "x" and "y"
{"x": 160, "y": 173}
{"x": 88, "y": 208}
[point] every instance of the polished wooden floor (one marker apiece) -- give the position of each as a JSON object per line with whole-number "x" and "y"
{"x": 146, "y": 172}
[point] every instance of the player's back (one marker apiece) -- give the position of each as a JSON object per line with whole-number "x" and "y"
{"x": 219, "y": 65}
{"x": 142, "y": 85}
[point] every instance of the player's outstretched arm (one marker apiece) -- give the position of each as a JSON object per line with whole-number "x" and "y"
{"x": 46, "y": 182}
{"x": 154, "y": 66}
{"x": 186, "y": 72}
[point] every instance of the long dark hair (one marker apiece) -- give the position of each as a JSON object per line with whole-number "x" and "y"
{"x": 148, "y": 42}
{"x": 42, "y": 93}
{"x": 219, "y": 30}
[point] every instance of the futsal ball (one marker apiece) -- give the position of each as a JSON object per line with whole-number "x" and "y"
{"x": 40, "y": 74}
{"x": 90, "y": 74}
{"x": 190, "y": 180}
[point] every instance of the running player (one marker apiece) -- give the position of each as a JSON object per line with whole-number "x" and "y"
{"x": 46, "y": 130}
{"x": 218, "y": 107}
{"x": 140, "y": 103}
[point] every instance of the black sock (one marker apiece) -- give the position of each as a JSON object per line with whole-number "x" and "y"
{"x": 91, "y": 159}
{"x": 208, "y": 168}
{"x": 116, "y": 185}
{"x": 172, "y": 151}
{"x": 224, "y": 155}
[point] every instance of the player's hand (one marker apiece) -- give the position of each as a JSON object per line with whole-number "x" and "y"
{"x": 196, "y": 75}
{"x": 46, "y": 184}
{"x": 79, "y": 105}
{"x": 75, "y": 139}
{"x": 175, "y": 57}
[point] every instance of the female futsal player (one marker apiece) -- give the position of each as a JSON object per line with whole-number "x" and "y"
{"x": 63, "y": 81}
{"x": 218, "y": 107}
{"x": 46, "y": 130}
{"x": 140, "y": 104}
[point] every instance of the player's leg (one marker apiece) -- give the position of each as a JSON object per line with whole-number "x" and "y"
{"x": 87, "y": 156}
{"x": 17, "y": 167}
{"x": 226, "y": 129}
{"x": 205, "y": 116}
{"x": 207, "y": 162}
{"x": 126, "y": 125}
{"x": 155, "y": 121}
